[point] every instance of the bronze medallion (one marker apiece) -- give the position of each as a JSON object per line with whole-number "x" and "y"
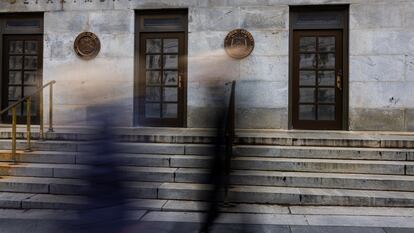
{"x": 87, "y": 45}
{"x": 239, "y": 43}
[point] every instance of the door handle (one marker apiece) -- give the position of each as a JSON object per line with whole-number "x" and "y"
{"x": 339, "y": 82}
{"x": 180, "y": 79}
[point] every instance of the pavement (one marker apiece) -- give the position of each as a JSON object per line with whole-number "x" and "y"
{"x": 272, "y": 220}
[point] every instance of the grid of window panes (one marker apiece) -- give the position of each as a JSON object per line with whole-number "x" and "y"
{"x": 317, "y": 89}
{"x": 22, "y": 72}
{"x": 162, "y": 77}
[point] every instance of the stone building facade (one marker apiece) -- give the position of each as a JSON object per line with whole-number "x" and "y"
{"x": 378, "y": 59}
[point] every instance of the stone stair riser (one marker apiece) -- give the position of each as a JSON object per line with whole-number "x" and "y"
{"x": 321, "y": 167}
{"x": 322, "y": 153}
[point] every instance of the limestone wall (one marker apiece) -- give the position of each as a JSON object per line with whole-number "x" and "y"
{"x": 381, "y": 59}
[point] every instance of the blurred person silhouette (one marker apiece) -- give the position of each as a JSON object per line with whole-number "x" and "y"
{"x": 106, "y": 208}
{"x": 220, "y": 166}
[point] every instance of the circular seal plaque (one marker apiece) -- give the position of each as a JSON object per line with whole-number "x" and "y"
{"x": 87, "y": 45}
{"x": 239, "y": 43}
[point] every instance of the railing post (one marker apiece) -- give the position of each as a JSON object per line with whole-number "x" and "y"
{"x": 41, "y": 132}
{"x": 51, "y": 108}
{"x": 28, "y": 126}
{"x": 14, "y": 143}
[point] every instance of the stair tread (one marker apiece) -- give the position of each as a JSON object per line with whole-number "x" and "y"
{"x": 326, "y": 148}
{"x": 330, "y": 135}
{"x": 43, "y": 165}
{"x": 293, "y": 190}
{"x": 40, "y": 180}
{"x": 343, "y": 161}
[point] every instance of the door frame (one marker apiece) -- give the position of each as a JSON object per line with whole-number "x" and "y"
{"x": 140, "y": 28}
{"x": 316, "y": 124}
{"x": 33, "y": 24}
{"x": 173, "y": 122}
{"x": 4, "y": 98}
{"x": 339, "y": 20}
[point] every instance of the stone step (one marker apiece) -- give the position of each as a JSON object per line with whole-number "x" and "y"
{"x": 290, "y": 196}
{"x": 42, "y": 157}
{"x": 168, "y": 163}
{"x": 245, "y": 136}
{"x": 238, "y": 194}
{"x": 238, "y": 177}
{"x": 88, "y": 146}
{"x": 324, "y": 165}
{"x": 326, "y": 138}
{"x": 38, "y": 185}
{"x": 325, "y": 152}
{"x": 319, "y": 180}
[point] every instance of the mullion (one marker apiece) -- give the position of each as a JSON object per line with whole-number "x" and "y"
{"x": 21, "y": 73}
{"x": 317, "y": 80}
{"x": 162, "y": 80}
{"x": 23, "y": 84}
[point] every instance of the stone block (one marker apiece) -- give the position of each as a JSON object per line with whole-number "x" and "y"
{"x": 410, "y": 170}
{"x": 376, "y": 119}
{"x": 271, "y": 43}
{"x": 203, "y": 117}
{"x": 184, "y": 191}
{"x": 207, "y": 44}
{"x": 261, "y": 118}
{"x": 20, "y": 186}
{"x": 377, "y": 68}
{"x": 208, "y": 69}
{"x": 381, "y": 42}
{"x": 72, "y": 5}
{"x": 329, "y": 229}
{"x": 264, "y": 18}
{"x": 112, "y": 22}
{"x": 409, "y": 67}
{"x": 213, "y": 19}
{"x": 149, "y": 174}
{"x": 408, "y": 9}
{"x": 69, "y": 114}
{"x": 192, "y": 176}
{"x": 66, "y": 22}
{"x": 207, "y": 94}
{"x": 267, "y": 68}
{"x": 13, "y": 200}
{"x": 71, "y": 172}
{"x": 144, "y": 148}
{"x": 271, "y": 94}
{"x": 117, "y": 45}
{"x": 382, "y": 95}
{"x": 53, "y": 202}
{"x": 29, "y": 6}
{"x": 98, "y": 71}
{"x": 69, "y": 189}
{"x": 187, "y": 161}
{"x": 142, "y": 190}
{"x": 276, "y": 164}
{"x": 159, "y": 4}
{"x": 409, "y": 119}
{"x": 58, "y": 46}
{"x": 368, "y": 16}
{"x": 238, "y": 3}
{"x": 200, "y": 149}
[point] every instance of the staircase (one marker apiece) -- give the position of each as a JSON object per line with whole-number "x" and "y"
{"x": 374, "y": 169}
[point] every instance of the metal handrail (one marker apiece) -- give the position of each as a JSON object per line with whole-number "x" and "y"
{"x": 28, "y": 100}
{"x": 229, "y": 134}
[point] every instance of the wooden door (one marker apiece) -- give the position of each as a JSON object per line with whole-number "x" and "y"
{"x": 22, "y": 73}
{"x": 162, "y": 78}
{"x": 318, "y": 79}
